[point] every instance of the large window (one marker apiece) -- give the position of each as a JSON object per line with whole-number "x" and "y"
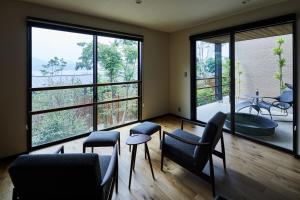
{"x": 80, "y": 82}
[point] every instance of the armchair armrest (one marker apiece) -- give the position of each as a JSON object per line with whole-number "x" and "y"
{"x": 190, "y": 142}
{"x": 60, "y": 150}
{"x": 111, "y": 167}
{"x": 191, "y": 122}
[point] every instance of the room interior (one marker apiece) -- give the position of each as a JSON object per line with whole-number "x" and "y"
{"x": 167, "y": 99}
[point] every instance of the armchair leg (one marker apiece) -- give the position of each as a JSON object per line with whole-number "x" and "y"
{"x": 119, "y": 143}
{"x": 159, "y": 134}
{"x": 14, "y": 196}
{"x": 117, "y": 175}
{"x": 212, "y": 175}
{"x": 223, "y": 152}
{"x": 162, "y": 162}
{"x": 270, "y": 114}
{"x": 162, "y": 153}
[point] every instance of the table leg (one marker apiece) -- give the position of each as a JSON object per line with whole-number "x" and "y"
{"x": 145, "y": 152}
{"x": 148, "y": 155}
{"x": 132, "y": 163}
{"x": 134, "y": 158}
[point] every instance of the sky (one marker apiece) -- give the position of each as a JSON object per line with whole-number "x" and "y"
{"x": 47, "y": 43}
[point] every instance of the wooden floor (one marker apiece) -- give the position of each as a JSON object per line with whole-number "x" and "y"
{"x": 253, "y": 172}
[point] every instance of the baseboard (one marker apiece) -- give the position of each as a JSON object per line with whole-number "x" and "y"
{"x": 156, "y": 117}
{"x": 177, "y": 116}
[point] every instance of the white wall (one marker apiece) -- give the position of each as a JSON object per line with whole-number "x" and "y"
{"x": 13, "y": 137}
{"x": 179, "y": 51}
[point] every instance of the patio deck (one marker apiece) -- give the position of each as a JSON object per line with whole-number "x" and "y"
{"x": 283, "y": 136}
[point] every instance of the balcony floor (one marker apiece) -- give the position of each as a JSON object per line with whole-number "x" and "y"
{"x": 283, "y": 136}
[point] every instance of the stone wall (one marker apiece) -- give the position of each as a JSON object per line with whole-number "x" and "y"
{"x": 258, "y": 65}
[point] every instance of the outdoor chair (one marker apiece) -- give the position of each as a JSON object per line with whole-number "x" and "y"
{"x": 282, "y": 102}
{"x": 193, "y": 152}
{"x": 64, "y": 176}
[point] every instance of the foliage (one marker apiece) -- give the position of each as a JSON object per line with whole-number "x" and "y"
{"x": 239, "y": 73}
{"x": 54, "y": 66}
{"x": 207, "y": 95}
{"x": 58, "y": 125}
{"x": 86, "y": 58}
{"x": 118, "y": 60}
{"x": 278, "y": 51}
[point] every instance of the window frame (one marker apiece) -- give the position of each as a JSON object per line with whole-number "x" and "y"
{"x": 95, "y": 32}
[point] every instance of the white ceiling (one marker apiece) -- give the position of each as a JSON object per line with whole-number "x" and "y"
{"x": 163, "y": 15}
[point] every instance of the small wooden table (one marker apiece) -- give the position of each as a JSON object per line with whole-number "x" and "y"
{"x": 135, "y": 140}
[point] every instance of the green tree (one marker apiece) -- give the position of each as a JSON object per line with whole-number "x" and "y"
{"x": 278, "y": 51}
{"x": 86, "y": 58}
{"x": 239, "y": 72}
{"x": 53, "y": 68}
{"x": 118, "y": 61}
{"x": 54, "y": 126}
{"x": 130, "y": 58}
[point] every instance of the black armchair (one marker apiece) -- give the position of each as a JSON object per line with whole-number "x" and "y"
{"x": 64, "y": 176}
{"x": 193, "y": 152}
{"x": 282, "y": 102}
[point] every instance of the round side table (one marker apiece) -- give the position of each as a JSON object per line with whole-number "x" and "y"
{"x": 135, "y": 140}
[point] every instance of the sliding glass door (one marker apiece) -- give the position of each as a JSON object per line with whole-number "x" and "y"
{"x": 249, "y": 73}
{"x": 264, "y": 84}
{"x": 80, "y": 82}
{"x": 212, "y": 77}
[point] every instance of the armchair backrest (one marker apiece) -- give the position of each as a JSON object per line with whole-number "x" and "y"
{"x": 57, "y": 176}
{"x": 212, "y": 134}
{"x": 286, "y": 96}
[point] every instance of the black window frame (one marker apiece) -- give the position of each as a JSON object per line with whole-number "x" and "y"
{"x": 231, "y": 31}
{"x": 33, "y": 22}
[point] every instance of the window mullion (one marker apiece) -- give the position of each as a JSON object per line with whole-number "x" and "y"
{"x": 95, "y": 80}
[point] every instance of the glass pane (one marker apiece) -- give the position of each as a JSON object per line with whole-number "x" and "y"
{"x": 117, "y": 60}
{"x": 264, "y": 68}
{"x": 113, "y": 114}
{"x": 112, "y": 92}
{"x": 54, "y": 126}
{"x": 212, "y": 77}
{"x": 42, "y": 100}
{"x": 61, "y": 58}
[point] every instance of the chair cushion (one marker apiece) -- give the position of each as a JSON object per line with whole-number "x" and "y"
{"x": 102, "y": 138}
{"x": 147, "y": 128}
{"x": 183, "y": 151}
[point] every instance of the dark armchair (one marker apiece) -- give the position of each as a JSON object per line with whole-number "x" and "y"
{"x": 64, "y": 176}
{"x": 282, "y": 102}
{"x": 193, "y": 152}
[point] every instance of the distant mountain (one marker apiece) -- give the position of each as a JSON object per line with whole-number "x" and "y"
{"x": 38, "y": 63}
